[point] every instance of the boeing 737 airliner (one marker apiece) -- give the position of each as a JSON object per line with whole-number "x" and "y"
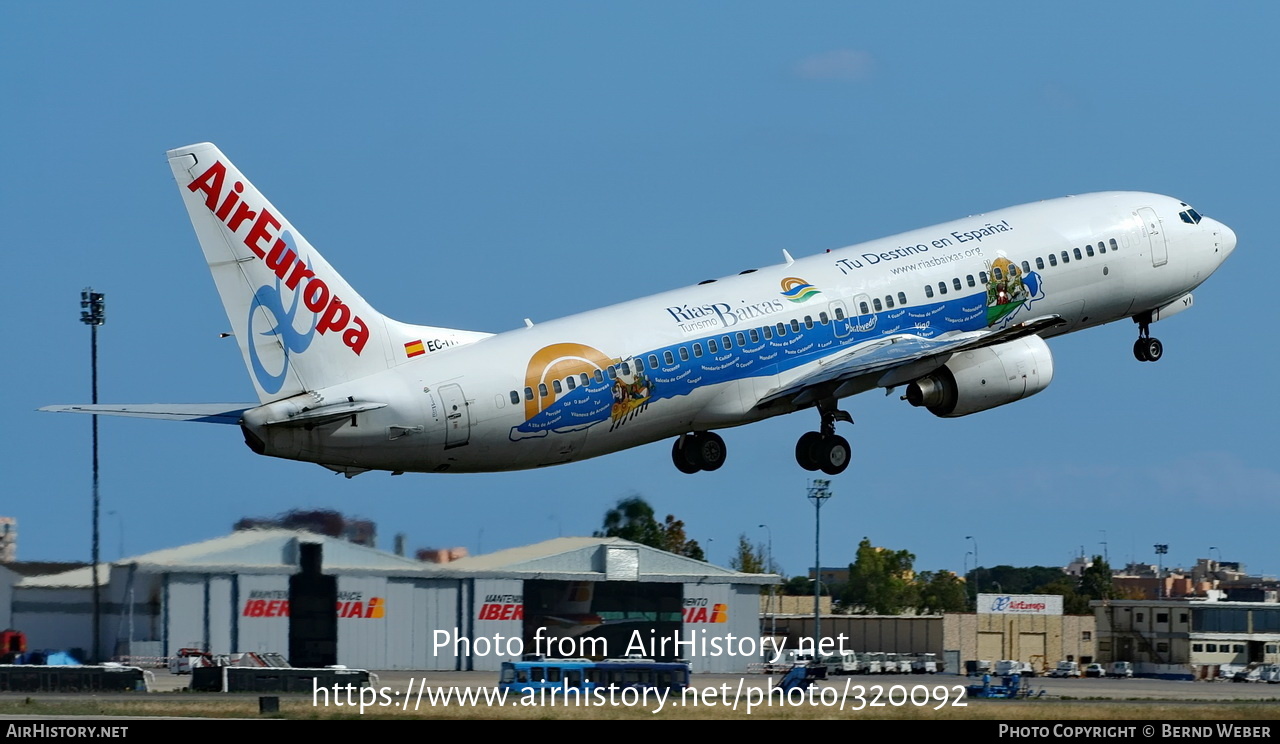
{"x": 957, "y": 313}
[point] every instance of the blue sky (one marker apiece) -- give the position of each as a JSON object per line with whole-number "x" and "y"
{"x": 471, "y": 164}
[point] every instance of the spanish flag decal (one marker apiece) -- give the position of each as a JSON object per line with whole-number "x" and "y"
{"x": 414, "y": 348}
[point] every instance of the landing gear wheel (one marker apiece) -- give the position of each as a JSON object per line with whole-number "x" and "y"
{"x": 1153, "y": 349}
{"x": 1148, "y": 349}
{"x": 705, "y": 450}
{"x": 833, "y": 454}
{"x": 681, "y": 461}
{"x": 806, "y": 448}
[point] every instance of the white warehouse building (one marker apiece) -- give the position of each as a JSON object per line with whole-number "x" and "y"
{"x": 568, "y": 596}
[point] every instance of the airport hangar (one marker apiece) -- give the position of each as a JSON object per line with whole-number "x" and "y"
{"x": 231, "y": 594}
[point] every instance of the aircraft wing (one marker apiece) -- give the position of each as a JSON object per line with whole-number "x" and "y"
{"x": 208, "y": 413}
{"x": 893, "y": 360}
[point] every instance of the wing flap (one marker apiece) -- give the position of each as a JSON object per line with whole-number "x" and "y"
{"x": 207, "y": 413}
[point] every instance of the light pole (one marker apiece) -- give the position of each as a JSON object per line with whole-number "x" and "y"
{"x": 1161, "y": 550}
{"x": 1105, "y": 555}
{"x": 773, "y": 615}
{"x": 819, "y": 492}
{"x": 93, "y": 313}
{"x": 975, "y": 566}
{"x": 1212, "y": 548}
{"x": 968, "y": 584}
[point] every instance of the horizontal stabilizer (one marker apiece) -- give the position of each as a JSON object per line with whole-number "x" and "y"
{"x": 325, "y": 414}
{"x": 206, "y": 413}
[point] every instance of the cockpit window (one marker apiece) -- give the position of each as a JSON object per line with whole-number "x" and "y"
{"x": 1190, "y": 216}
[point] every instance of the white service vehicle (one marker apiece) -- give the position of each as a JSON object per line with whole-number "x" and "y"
{"x": 1066, "y": 669}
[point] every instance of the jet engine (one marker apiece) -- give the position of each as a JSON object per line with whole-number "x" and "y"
{"x": 976, "y": 380}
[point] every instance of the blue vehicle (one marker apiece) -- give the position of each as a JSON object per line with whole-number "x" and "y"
{"x": 558, "y": 675}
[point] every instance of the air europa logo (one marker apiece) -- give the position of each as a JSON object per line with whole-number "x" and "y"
{"x": 281, "y": 258}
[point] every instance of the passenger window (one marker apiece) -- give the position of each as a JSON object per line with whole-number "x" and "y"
{"x": 653, "y": 361}
{"x": 956, "y": 283}
{"x": 768, "y": 333}
{"x": 982, "y": 277}
{"x": 542, "y": 389}
{"x": 942, "y": 287}
{"x": 863, "y": 307}
{"x": 684, "y": 354}
{"x": 612, "y": 372}
{"x": 712, "y": 348}
{"x": 888, "y": 301}
{"x": 571, "y": 381}
{"x": 928, "y": 290}
{"x": 823, "y": 319}
{"x": 528, "y": 393}
{"x": 808, "y": 321}
{"x": 515, "y": 397}
{"x": 586, "y": 379}
{"x": 728, "y": 343}
{"x": 1026, "y": 268}
{"x": 599, "y": 376}
{"x": 626, "y": 368}
{"x": 742, "y": 340}
{"x": 969, "y": 278}
{"x": 1088, "y": 250}
{"x": 755, "y": 336}
{"x": 1066, "y": 259}
{"x": 667, "y": 356}
{"x": 998, "y": 273}
{"x": 1102, "y": 247}
{"x": 877, "y": 305}
{"x": 1039, "y": 263}
{"x": 1077, "y": 252}
{"x": 795, "y": 326}
{"x": 697, "y": 350}
{"x": 556, "y": 386}
{"x": 902, "y": 298}
{"x": 840, "y": 313}
{"x": 1053, "y": 260}
{"x": 1114, "y": 247}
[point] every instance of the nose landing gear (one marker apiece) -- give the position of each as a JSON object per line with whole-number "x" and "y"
{"x": 1146, "y": 349}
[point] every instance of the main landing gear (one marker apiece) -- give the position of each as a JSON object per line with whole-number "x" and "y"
{"x": 699, "y": 450}
{"x": 825, "y": 450}
{"x": 1146, "y": 349}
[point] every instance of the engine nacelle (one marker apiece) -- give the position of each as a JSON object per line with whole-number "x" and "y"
{"x": 976, "y": 380}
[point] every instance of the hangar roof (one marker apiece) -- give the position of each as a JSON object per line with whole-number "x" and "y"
{"x": 596, "y": 558}
{"x": 276, "y": 551}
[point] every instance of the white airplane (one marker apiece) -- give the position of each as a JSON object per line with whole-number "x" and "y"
{"x": 957, "y": 313}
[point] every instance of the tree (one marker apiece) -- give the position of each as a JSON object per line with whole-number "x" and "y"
{"x": 881, "y": 581}
{"x": 1072, "y": 602}
{"x": 1095, "y": 581}
{"x": 941, "y": 591}
{"x": 750, "y": 558}
{"x": 632, "y": 519}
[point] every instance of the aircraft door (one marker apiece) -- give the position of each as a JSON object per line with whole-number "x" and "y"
{"x": 457, "y": 417}
{"x": 841, "y": 322}
{"x": 1151, "y": 225}
{"x": 863, "y": 316}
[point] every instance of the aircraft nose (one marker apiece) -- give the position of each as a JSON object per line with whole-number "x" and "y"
{"x": 1228, "y": 239}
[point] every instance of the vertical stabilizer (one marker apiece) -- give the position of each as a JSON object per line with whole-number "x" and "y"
{"x": 298, "y": 323}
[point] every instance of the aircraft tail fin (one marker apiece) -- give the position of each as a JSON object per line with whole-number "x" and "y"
{"x": 298, "y": 323}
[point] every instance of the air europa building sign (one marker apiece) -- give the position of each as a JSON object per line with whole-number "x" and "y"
{"x": 1019, "y": 604}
